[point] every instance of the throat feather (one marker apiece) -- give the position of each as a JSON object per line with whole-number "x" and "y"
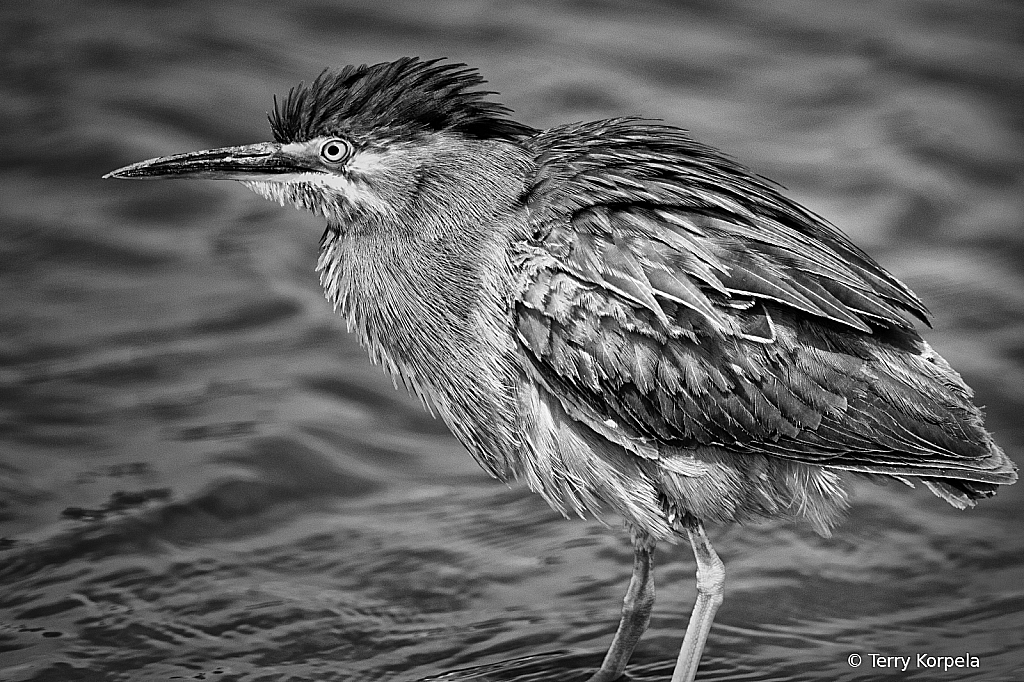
{"x": 439, "y": 334}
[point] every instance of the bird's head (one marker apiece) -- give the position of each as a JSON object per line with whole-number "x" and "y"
{"x": 359, "y": 142}
{"x": 421, "y": 180}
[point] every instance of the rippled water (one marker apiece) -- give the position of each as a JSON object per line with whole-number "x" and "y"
{"x": 202, "y": 478}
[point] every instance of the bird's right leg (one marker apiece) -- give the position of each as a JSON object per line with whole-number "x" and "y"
{"x": 710, "y": 582}
{"x": 636, "y": 611}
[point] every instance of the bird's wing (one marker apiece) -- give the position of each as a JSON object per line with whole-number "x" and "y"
{"x": 668, "y": 295}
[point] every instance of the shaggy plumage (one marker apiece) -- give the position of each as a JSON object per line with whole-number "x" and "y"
{"x": 404, "y": 98}
{"x": 618, "y": 315}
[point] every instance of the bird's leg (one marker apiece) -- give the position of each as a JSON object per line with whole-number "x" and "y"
{"x": 710, "y": 581}
{"x": 636, "y": 611}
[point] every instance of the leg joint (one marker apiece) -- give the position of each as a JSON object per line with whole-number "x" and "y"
{"x": 711, "y": 576}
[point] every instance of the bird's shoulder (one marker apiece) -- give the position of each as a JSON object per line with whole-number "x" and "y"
{"x": 645, "y": 212}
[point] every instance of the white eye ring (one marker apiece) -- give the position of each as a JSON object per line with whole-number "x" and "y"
{"x": 335, "y": 150}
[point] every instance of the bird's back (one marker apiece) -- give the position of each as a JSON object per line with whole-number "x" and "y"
{"x": 693, "y": 342}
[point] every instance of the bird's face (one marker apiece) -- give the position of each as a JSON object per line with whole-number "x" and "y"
{"x": 327, "y": 175}
{"x": 357, "y": 143}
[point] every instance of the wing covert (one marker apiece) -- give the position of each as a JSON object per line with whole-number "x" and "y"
{"x": 669, "y": 295}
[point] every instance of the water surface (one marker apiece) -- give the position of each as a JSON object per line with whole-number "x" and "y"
{"x": 202, "y": 477}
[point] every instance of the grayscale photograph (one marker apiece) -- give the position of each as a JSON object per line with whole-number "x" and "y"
{"x": 512, "y": 341}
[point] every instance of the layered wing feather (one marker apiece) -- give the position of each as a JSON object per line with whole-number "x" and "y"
{"x": 671, "y": 297}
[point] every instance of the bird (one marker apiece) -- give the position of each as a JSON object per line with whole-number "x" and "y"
{"x": 620, "y": 316}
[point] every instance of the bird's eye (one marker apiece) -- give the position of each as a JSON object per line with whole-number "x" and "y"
{"x": 335, "y": 150}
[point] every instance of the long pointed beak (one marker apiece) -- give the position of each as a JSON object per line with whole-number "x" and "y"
{"x": 247, "y": 162}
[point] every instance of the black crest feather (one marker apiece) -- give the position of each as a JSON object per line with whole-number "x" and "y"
{"x": 407, "y": 97}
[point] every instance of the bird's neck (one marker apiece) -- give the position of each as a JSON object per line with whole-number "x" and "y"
{"x": 428, "y": 290}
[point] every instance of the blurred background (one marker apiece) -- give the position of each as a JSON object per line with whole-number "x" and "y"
{"x": 202, "y": 477}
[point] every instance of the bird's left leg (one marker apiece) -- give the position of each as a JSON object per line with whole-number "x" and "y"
{"x": 710, "y": 584}
{"x": 636, "y": 610}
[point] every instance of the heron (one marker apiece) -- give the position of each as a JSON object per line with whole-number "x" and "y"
{"x": 623, "y": 318}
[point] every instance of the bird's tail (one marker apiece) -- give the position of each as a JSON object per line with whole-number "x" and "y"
{"x": 960, "y": 494}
